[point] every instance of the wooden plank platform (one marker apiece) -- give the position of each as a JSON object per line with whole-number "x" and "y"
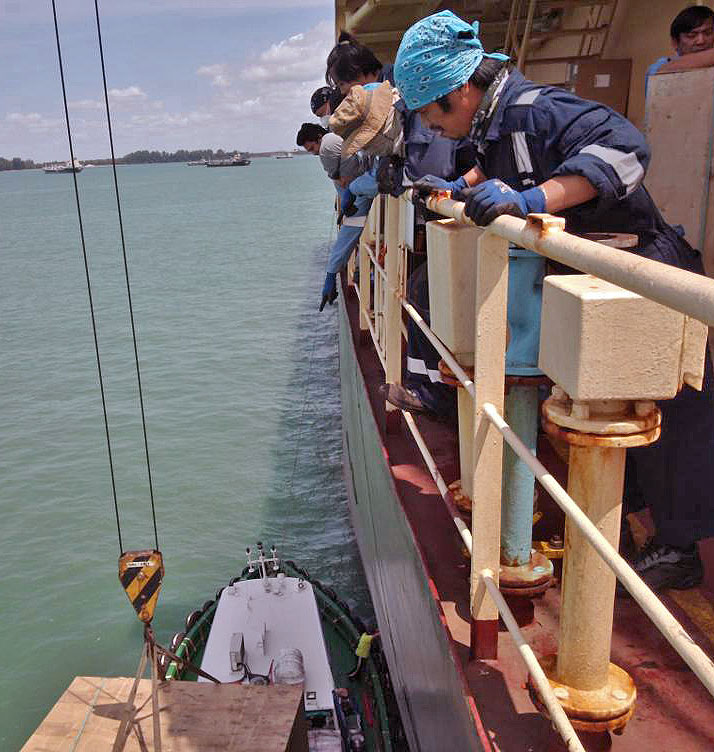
{"x": 193, "y": 717}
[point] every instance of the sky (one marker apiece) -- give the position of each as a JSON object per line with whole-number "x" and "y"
{"x": 231, "y": 74}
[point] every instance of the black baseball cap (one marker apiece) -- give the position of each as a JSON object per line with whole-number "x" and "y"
{"x": 320, "y": 97}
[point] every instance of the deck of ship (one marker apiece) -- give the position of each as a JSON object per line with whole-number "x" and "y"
{"x": 673, "y": 710}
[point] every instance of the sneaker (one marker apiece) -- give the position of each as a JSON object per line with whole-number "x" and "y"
{"x": 403, "y": 398}
{"x": 665, "y": 567}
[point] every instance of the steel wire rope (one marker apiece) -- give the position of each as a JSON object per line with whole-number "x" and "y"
{"x": 126, "y": 273}
{"x": 87, "y": 276}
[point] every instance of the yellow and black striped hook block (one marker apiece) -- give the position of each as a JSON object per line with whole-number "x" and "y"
{"x": 141, "y": 574}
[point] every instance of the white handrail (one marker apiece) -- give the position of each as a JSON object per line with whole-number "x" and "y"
{"x": 686, "y": 292}
{"x": 673, "y": 631}
{"x": 461, "y": 526}
{"x": 555, "y": 709}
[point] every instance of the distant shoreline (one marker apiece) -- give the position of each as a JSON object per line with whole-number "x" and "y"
{"x": 147, "y": 157}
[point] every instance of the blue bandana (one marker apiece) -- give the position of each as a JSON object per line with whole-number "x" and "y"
{"x": 437, "y": 55}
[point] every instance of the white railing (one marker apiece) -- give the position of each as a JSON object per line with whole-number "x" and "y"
{"x": 683, "y": 291}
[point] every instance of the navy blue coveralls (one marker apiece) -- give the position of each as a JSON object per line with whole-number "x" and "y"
{"x": 540, "y": 132}
{"x": 426, "y": 153}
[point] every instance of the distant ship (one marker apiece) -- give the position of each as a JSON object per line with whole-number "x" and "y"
{"x": 57, "y": 167}
{"x": 284, "y": 155}
{"x": 198, "y": 163}
{"x": 237, "y": 160}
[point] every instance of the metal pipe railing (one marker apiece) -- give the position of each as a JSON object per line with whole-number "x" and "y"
{"x": 461, "y": 526}
{"x": 671, "y": 629}
{"x": 686, "y": 292}
{"x": 440, "y": 347}
{"x": 557, "y": 715}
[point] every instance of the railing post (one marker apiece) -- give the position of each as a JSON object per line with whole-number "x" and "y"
{"x": 489, "y": 380}
{"x": 393, "y": 312}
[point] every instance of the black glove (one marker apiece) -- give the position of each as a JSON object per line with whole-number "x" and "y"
{"x": 390, "y": 175}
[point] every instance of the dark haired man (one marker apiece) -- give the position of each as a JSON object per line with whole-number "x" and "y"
{"x": 692, "y": 33}
{"x": 328, "y": 146}
{"x": 543, "y": 149}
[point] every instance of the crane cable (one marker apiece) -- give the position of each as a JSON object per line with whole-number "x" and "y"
{"x": 88, "y": 279}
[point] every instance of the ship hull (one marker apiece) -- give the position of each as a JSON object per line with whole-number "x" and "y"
{"x": 437, "y": 711}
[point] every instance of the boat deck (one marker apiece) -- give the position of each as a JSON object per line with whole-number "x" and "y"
{"x": 673, "y": 710}
{"x": 193, "y": 717}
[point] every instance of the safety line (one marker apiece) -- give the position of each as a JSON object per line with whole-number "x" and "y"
{"x": 86, "y": 272}
{"x": 126, "y": 273}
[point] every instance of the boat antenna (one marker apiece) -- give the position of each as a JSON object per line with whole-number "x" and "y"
{"x": 86, "y": 272}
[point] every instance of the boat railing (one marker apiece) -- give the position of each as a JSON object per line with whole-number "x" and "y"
{"x": 381, "y": 286}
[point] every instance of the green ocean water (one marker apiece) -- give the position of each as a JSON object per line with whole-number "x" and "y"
{"x": 240, "y": 378}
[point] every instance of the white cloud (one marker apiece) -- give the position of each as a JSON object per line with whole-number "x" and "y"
{"x": 254, "y": 103}
{"x": 217, "y": 73}
{"x": 129, "y": 93}
{"x": 33, "y": 121}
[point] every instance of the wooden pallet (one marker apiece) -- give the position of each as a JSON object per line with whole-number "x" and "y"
{"x": 193, "y": 717}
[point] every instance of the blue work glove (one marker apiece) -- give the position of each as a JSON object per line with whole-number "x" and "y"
{"x": 489, "y": 200}
{"x": 329, "y": 290}
{"x": 432, "y": 184}
{"x": 390, "y": 175}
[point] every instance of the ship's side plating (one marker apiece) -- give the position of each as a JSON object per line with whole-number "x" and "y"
{"x": 437, "y": 711}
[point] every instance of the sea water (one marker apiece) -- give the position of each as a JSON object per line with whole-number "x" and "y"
{"x": 240, "y": 383}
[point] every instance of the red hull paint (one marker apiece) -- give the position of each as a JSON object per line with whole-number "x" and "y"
{"x": 479, "y": 704}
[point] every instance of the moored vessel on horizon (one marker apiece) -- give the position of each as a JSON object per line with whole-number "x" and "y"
{"x": 63, "y": 167}
{"x": 237, "y": 160}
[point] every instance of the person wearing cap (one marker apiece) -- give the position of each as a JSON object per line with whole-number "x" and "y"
{"x": 380, "y": 124}
{"x": 342, "y": 170}
{"x": 543, "y": 149}
{"x": 323, "y": 102}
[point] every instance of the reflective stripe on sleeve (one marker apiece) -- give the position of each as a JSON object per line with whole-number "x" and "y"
{"x": 625, "y": 164}
{"x": 523, "y": 159}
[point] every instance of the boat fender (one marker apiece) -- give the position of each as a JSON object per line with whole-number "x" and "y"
{"x": 176, "y": 640}
{"x": 191, "y": 619}
{"x": 234, "y": 580}
{"x": 218, "y": 593}
{"x": 206, "y": 606}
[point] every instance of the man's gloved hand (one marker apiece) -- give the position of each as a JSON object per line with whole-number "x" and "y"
{"x": 489, "y": 200}
{"x": 390, "y": 175}
{"x": 432, "y": 184}
{"x": 329, "y": 290}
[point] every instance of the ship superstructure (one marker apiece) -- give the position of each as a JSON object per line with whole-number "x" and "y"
{"x": 430, "y": 504}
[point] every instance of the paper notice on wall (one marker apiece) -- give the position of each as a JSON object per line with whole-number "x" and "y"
{"x": 602, "y": 80}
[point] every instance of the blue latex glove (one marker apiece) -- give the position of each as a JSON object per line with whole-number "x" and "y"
{"x": 329, "y": 290}
{"x": 432, "y": 184}
{"x": 489, "y": 200}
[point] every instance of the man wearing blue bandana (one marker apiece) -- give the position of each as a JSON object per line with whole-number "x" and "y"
{"x": 543, "y": 149}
